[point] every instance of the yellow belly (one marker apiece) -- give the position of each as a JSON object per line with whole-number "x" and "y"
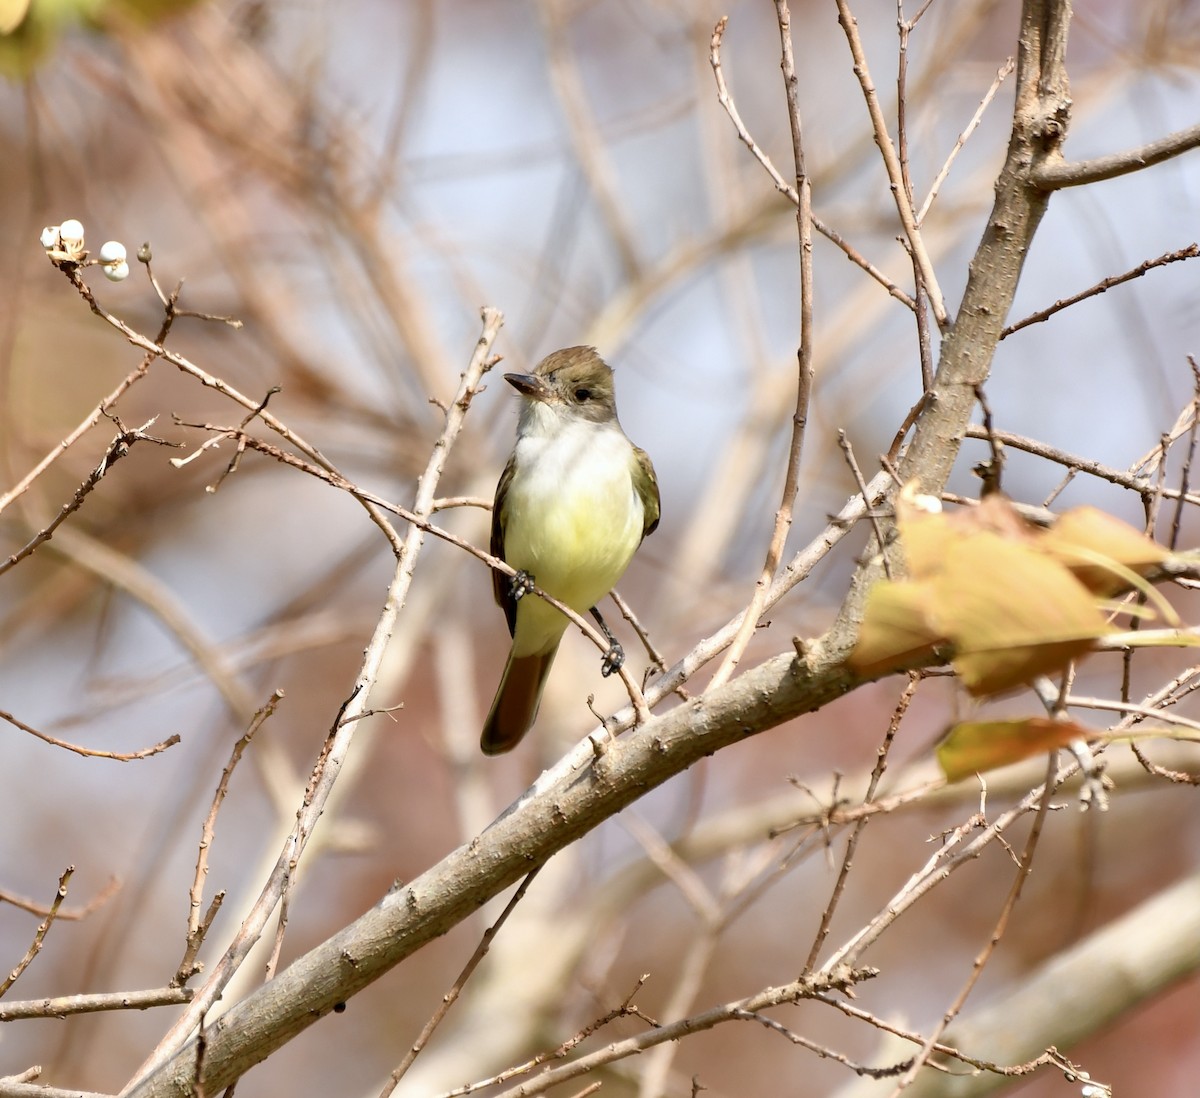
{"x": 574, "y": 530}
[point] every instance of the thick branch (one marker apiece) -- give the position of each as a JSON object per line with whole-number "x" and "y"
{"x": 584, "y": 790}
{"x": 1039, "y": 126}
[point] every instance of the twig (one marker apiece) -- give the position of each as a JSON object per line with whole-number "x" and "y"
{"x": 1002, "y": 74}
{"x": 65, "y": 914}
{"x": 40, "y": 935}
{"x": 93, "y": 417}
{"x": 793, "y": 992}
{"x": 891, "y": 162}
{"x": 981, "y": 959}
{"x": 36, "y": 1090}
{"x": 117, "y": 449}
{"x": 823, "y": 1051}
{"x": 856, "y": 831}
{"x": 856, "y": 472}
{"x": 1140, "y": 484}
{"x": 197, "y": 929}
{"x": 1185, "y": 471}
{"x": 625, "y": 1010}
{"x": 1190, "y": 252}
{"x": 65, "y": 1005}
{"x": 1056, "y": 174}
{"x": 210, "y": 381}
{"x": 782, "y": 185}
{"x": 449, "y": 999}
{"x": 92, "y": 752}
{"x": 804, "y": 363}
{"x": 341, "y": 736}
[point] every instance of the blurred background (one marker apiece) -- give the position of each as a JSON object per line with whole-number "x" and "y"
{"x": 353, "y": 181}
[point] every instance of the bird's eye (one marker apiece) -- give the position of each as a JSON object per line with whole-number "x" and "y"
{"x": 582, "y": 394}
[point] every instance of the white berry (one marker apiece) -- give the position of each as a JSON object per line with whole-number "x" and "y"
{"x": 71, "y": 231}
{"x": 116, "y": 272}
{"x": 112, "y": 251}
{"x": 50, "y": 237}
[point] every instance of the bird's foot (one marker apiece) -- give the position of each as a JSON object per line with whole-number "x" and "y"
{"x": 613, "y": 660}
{"x": 520, "y": 585}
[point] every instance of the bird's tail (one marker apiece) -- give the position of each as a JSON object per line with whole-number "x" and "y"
{"x": 516, "y": 702}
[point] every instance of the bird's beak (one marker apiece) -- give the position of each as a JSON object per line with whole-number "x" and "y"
{"x": 530, "y": 385}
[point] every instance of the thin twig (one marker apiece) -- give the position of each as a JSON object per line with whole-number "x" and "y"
{"x": 982, "y": 958}
{"x": 117, "y": 449}
{"x": 856, "y": 472}
{"x": 782, "y": 185}
{"x": 1002, "y": 74}
{"x": 40, "y": 935}
{"x": 891, "y": 162}
{"x": 451, "y": 996}
{"x": 65, "y": 914}
{"x": 856, "y": 831}
{"x": 197, "y": 928}
{"x": 1190, "y": 252}
{"x": 804, "y": 363}
{"x": 92, "y": 752}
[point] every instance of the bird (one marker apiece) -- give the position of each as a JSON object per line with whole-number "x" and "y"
{"x": 573, "y": 504}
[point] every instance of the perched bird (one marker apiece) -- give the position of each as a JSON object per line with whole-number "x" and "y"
{"x": 573, "y": 504}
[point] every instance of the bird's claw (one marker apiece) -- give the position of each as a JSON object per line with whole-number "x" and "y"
{"x": 520, "y": 585}
{"x": 613, "y": 660}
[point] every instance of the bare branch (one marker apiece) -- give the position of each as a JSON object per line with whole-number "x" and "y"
{"x": 1058, "y": 173}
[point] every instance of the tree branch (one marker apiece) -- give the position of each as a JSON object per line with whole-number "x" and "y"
{"x": 1057, "y": 173}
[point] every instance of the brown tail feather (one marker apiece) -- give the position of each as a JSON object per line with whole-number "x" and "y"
{"x": 516, "y": 703}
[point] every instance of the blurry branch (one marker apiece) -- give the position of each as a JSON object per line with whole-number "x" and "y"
{"x": 117, "y": 449}
{"x": 40, "y": 935}
{"x": 1074, "y": 994}
{"x": 895, "y": 171}
{"x": 341, "y": 734}
{"x": 804, "y": 356}
{"x": 1190, "y": 252}
{"x": 65, "y": 914}
{"x": 1056, "y": 172}
{"x": 64, "y": 1005}
{"x": 584, "y": 135}
{"x": 218, "y": 94}
{"x": 92, "y": 752}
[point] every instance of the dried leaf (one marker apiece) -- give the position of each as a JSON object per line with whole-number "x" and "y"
{"x": 974, "y": 747}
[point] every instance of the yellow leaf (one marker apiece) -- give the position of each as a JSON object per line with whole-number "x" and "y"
{"x": 1102, "y": 539}
{"x": 1010, "y": 612}
{"x": 973, "y": 747}
{"x": 895, "y": 630}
